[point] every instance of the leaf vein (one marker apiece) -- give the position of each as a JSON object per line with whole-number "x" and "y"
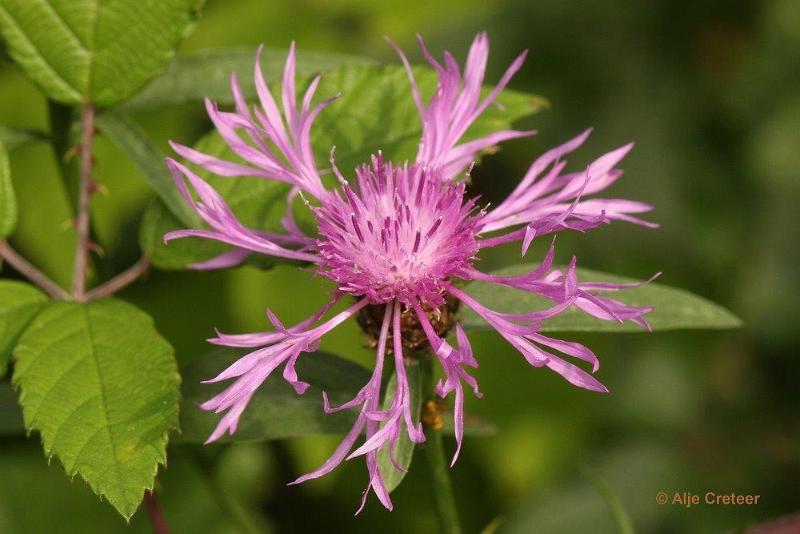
{"x": 42, "y": 59}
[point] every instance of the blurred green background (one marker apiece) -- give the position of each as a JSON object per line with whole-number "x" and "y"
{"x": 710, "y": 93}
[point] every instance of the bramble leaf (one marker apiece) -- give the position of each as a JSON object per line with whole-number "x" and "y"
{"x": 101, "y": 386}
{"x": 85, "y": 50}
{"x": 19, "y": 304}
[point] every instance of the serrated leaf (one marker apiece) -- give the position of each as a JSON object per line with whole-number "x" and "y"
{"x": 19, "y": 304}
{"x": 376, "y": 112}
{"x": 89, "y": 50}
{"x": 8, "y": 203}
{"x": 404, "y": 451}
{"x": 276, "y": 411}
{"x": 101, "y": 386}
{"x": 131, "y": 139}
{"x": 11, "y": 137}
{"x": 675, "y": 309}
{"x": 259, "y": 204}
{"x": 207, "y": 74}
{"x": 10, "y": 414}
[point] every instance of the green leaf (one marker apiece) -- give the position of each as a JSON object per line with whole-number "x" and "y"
{"x": 405, "y": 447}
{"x": 12, "y": 137}
{"x": 96, "y": 51}
{"x": 675, "y": 309}
{"x": 10, "y": 415}
{"x": 157, "y": 221}
{"x": 8, "y": 203}
{"x": 259, "y": 204}
{"x": 101, "y": 386}
{"x": 276, "y": 411}
{"x": 131, "y": 139}
{"x": 377, "y": 112}
{"x": 19, "y": 304}
{"x": 207, "y": 74}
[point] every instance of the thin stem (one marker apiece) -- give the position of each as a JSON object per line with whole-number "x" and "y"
{"x": 84, "y": 195}
{"x": 122, "y": 280}
{"x": 157, "y": 519}
{"x": 30, "y": 272}
{"x": 438, "y": 464}
{"x": 442, "y": 487}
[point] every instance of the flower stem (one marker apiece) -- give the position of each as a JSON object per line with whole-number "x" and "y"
{"x": 30, "y": 272}
{"x": 156, "y": 515}
{"x": 439, "y": 467}
{"x": 84, "y": 195}
{"x": 442, "y": 487}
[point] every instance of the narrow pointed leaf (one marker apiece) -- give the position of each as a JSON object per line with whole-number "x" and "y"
{"x": 276, "y": 411}
{"x": 207, "y": 74}
{"x": 85, "y": 50}
{"x": 101, "y": 387}
{"x": 12, "y": 137}
{"x": 405, "y": 447}
{"x": 131, "y": 139}
{"x": 19, "y": 304}
{"x": 675, "y": 309}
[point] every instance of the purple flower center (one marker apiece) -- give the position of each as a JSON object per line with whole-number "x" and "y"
{"x": 398, "y": 234}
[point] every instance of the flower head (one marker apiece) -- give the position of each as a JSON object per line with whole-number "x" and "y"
{"x": 399, "y": 235}
{"x": 396, "y": 237}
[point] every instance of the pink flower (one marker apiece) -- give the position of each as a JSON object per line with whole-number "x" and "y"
{"x": 396, "y": 239}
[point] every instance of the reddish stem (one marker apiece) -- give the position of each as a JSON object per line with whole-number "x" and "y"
{"x": 120, "y": 281}
{"x": 156, "y": 515}
{"x": 84, "y": 195}
{"x": 30, "y": 272}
